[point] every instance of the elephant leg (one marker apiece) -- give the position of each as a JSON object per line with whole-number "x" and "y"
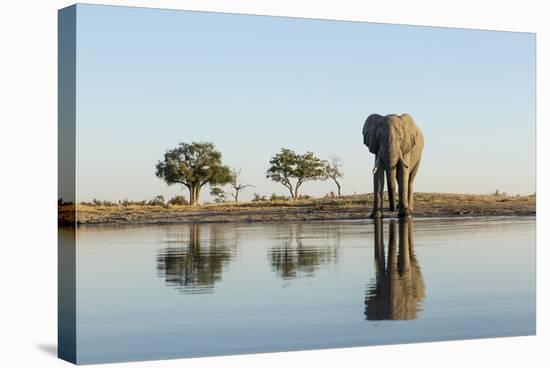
{"x": 403, "y": 183}
{"x": 411, "y": 186}
{"x": 411, "y": 195}
{"x": 378, "y": 194}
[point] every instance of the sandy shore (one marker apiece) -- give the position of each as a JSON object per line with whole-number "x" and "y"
{"x": 349, "y": 207}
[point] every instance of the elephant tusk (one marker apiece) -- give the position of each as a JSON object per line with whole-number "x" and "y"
{"x": 376, "y": 166}
{"x": 405, "y": 164}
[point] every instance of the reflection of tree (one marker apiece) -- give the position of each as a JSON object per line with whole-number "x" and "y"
{"x": 198, "y": 265}
{"x": 301, "y": 249}
{"x": 398, "y": 290}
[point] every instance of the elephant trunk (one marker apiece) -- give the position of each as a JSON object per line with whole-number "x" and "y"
{"x": 390, "y": 179}
{"x": 390, "y": 156}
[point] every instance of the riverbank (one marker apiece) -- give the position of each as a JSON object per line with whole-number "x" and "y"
{"x": 348, "y": 207}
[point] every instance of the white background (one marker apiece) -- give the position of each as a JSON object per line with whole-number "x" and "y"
{"x": 28, "y": 184}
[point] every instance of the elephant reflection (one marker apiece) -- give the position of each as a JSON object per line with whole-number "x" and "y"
{"x": 302, "y": 248}
{"x": 196, "y": 266}
{"x": 398, "y": 290}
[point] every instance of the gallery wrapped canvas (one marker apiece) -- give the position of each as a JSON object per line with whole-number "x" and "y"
{"x": 233, "y": 184}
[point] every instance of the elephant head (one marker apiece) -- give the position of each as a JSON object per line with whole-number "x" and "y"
{"x": 391, "y": 138}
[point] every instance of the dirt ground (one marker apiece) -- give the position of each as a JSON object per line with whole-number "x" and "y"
{"x": 348, "y": 207}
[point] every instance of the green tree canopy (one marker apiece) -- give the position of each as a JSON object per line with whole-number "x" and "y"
{"x": 194, "y": 165}
{"x": 292, "y": 169}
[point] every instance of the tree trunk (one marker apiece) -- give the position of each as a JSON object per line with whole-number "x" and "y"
{"x": 191, "y": 196}
{"x": 197, "y": 192}
{"x": 338, "y": 186}
{"x": 296, "y": 192}
{"x": 236, "y": 196}
{"x": 194, "y": 195}
{"x": 292, "y": 195}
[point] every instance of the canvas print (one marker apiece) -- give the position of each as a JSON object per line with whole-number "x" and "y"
{"x": 233, "y": 184}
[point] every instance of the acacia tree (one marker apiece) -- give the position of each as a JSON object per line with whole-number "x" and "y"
{"x": 194, "y": 165}
{"x": 288, "y": 166}
{"x": 218, "y": 194}
{"x": 237, "y": 184}
{"x": 333, "y": 171}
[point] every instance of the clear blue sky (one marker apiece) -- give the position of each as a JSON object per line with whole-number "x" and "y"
{"x": 148, "y": 79}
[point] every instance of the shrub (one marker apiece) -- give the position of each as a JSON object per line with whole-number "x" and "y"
{"x": 157, "y": 201}
{"x": 178, "y": 200}
{"x": 126, "y": 203}
{"x": 259, "y": 198}
{"x": 97, "y": 202}
{"x": 274, "y": 197}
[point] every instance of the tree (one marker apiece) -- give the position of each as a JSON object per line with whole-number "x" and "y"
{"x": 288, "y": 165}
{"x": 333, "y": 171}
{"x": 193, "y": 165}
{"x": 218, "y": 194}
{"x": 236, "y": 183}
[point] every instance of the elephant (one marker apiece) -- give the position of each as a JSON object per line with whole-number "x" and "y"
{"x": 397, "y": 143}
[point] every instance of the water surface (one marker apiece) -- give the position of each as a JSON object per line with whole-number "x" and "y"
{"x": 153, "y": 292}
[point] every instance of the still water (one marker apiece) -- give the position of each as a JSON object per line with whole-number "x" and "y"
{"x": 153, "y": 292}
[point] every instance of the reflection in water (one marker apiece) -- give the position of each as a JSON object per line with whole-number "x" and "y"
{"x": 302, "y": 248}
{"x": 254, "y": 309}
{"x": 196, "y": 266}
{"x": 398, "y": 291}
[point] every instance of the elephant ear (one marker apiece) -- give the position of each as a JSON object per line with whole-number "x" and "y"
{"x": 410, "y": 133}
{"x": 369, "y": 132}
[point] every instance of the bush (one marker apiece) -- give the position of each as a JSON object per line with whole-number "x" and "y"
{"x": 126, "y": 203}
{"x": 498, "y": 193}
{"x": 178, "y": 200}
{"x": 61, "y": 202}
{"x": 274, "y": 197}
{"x": 259, "y": 198}
{"x": 97, "y": 202}
{"x": 157, "y": 201}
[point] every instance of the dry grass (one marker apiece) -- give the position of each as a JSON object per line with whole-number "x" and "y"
{"x": 347, "y": 207}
